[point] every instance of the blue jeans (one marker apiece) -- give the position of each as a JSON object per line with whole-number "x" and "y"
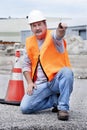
{"x": 46, "y": 94}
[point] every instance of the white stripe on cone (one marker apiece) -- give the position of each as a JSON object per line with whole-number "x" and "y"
{"x": 17, "y": 76}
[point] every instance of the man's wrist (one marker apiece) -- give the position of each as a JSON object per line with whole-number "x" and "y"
{"x": 59, "y": 34}
{"x": 55, "y": 36}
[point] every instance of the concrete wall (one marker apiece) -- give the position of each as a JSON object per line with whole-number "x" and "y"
{"x": 78, "y": 31}
{"x": 12, "y": 29}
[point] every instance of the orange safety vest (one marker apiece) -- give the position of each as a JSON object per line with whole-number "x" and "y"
{"x": 50, "y": 59}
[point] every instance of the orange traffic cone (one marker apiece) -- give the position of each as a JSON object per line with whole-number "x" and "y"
{"x": 15, "y": 89}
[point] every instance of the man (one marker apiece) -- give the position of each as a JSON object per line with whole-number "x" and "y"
{"x": 47, "y": 69}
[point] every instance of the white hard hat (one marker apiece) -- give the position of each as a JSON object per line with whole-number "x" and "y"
{"x": 35, "y": 16}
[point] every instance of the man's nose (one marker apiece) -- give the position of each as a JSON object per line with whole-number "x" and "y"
{"x": 37, "y": 27}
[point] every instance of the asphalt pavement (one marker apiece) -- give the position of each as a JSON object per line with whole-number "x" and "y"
{"x": 11, "y": 117}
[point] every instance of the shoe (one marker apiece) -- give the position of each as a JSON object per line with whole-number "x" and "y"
{"x": 63, "y": 115}
{"x": 55, "y": 110}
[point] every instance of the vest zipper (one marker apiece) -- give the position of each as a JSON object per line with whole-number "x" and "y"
{"x": 42, "y": 67}
{"x": 35, "y": 72}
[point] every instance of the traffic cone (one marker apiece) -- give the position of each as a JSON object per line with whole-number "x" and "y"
{"x": 15, "y": 89}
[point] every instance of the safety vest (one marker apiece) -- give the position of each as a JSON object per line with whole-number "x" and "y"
{"x": 50, "y": 59}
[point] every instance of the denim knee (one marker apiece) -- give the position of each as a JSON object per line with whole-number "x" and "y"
{"x": 25, "y": 109}
{"x": 67, "y": 73}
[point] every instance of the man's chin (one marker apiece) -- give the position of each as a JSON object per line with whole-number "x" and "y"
{"x": 39, "y": 37}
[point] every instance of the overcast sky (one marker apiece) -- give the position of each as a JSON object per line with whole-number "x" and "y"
{"x": 53, "y": 8}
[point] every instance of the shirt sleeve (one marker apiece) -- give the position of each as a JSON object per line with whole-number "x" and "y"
{"x": 26, "y": 66}
{"x": 58, "y": 42}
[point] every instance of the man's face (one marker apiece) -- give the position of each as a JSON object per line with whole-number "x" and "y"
{"x": 39, "y": 29}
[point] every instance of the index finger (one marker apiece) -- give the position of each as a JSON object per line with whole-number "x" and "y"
{"x": 64, "y": 25}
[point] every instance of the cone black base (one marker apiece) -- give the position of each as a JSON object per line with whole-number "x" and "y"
{"x": 2, "y": 101}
